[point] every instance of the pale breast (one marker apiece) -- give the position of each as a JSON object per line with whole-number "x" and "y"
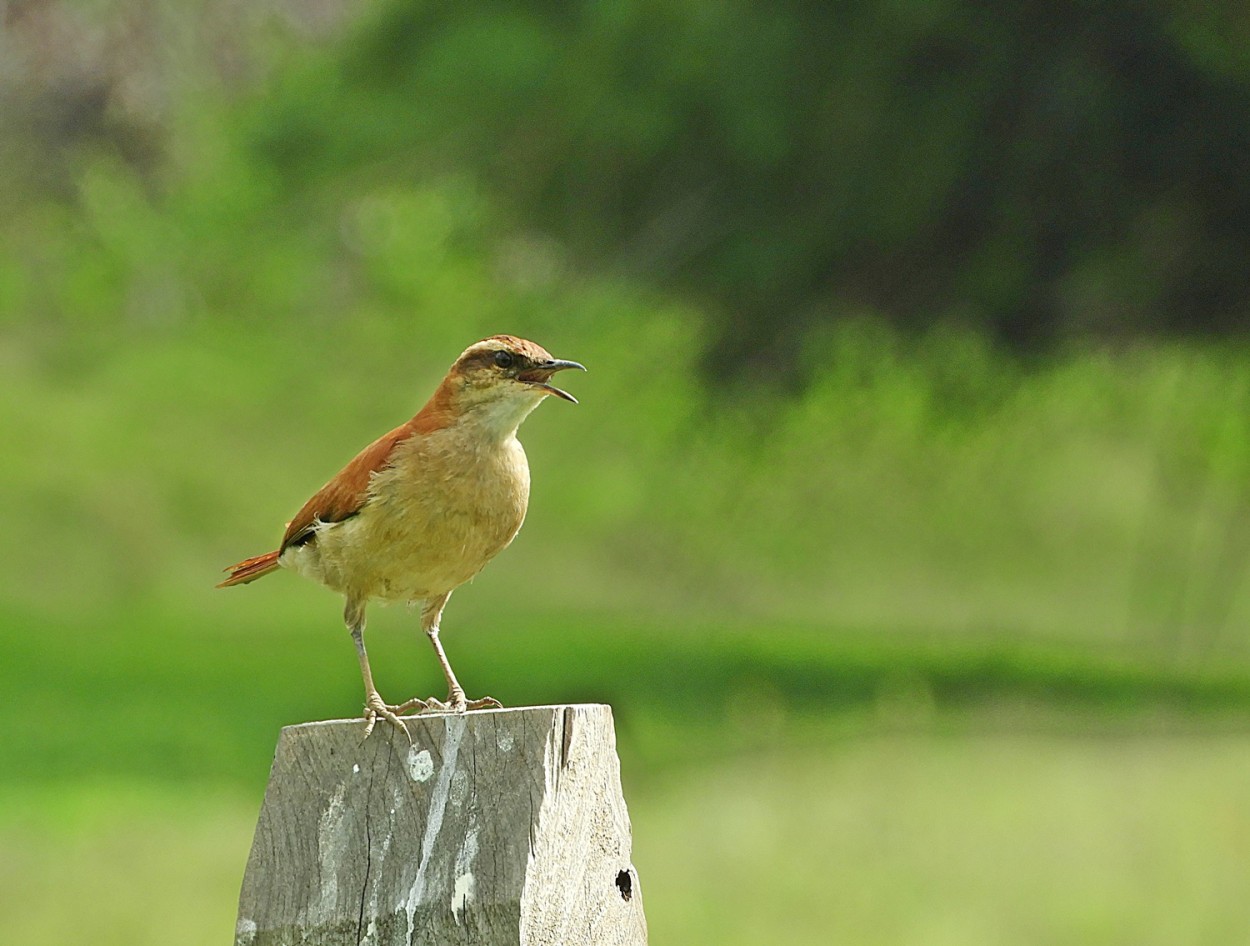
{"x": 434, "y": 518}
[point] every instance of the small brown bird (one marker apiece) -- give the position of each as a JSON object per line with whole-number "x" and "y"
{"x": 422, "y": 509}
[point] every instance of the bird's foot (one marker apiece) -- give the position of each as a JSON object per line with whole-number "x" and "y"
{"x": 376, "y": 708}
{"x": 455, "y": 703}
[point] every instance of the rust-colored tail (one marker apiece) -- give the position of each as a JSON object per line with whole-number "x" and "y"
{"x": 250, "y": 569}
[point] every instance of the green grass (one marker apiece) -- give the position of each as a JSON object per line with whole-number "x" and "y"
{"x": 967, "y": 839}
{"x": 879, "y": 840}
{"x": 176, "y": 699}
{"x": 115, "y": 863}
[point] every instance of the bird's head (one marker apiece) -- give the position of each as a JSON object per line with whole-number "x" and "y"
{"x": 500, "y": 379}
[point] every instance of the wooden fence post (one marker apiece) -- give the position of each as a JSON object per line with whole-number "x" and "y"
{"x": 493, "y": 828}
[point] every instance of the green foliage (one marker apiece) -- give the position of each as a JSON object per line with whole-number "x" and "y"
{"x": 793, "y": 162}
{"x": 1040, "y": 174}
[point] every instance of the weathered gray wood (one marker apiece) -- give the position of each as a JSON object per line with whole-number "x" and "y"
{"x": 493, "y": 828}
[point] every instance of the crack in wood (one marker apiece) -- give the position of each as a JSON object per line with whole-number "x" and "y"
{"x": 567, "y": 715}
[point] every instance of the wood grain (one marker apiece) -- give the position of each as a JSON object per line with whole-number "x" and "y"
{"x": 494, "y": 827}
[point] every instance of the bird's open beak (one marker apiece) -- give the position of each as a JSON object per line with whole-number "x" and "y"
{"x": 540, "y": 375}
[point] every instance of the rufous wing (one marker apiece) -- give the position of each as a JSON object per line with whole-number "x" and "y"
{"x": 347, "y": 492}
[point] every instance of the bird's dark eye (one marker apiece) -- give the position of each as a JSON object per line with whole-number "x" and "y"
{"x": 504, "y": 359}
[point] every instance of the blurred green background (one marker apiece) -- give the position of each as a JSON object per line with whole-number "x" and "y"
{"x": 905, "y": 519}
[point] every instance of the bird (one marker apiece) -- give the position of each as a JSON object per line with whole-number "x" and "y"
{"x": 423, "y": 509}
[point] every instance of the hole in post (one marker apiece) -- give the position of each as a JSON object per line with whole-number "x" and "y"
{"x": 625, "y": 884}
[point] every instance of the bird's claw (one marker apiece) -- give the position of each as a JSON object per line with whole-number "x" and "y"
{"x": 455, "y": 703}
{"x": 376, "y": 709}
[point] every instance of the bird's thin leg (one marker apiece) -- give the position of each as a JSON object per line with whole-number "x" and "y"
{"x": 431, "y": 614}
{"x": 375, "y": 706}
